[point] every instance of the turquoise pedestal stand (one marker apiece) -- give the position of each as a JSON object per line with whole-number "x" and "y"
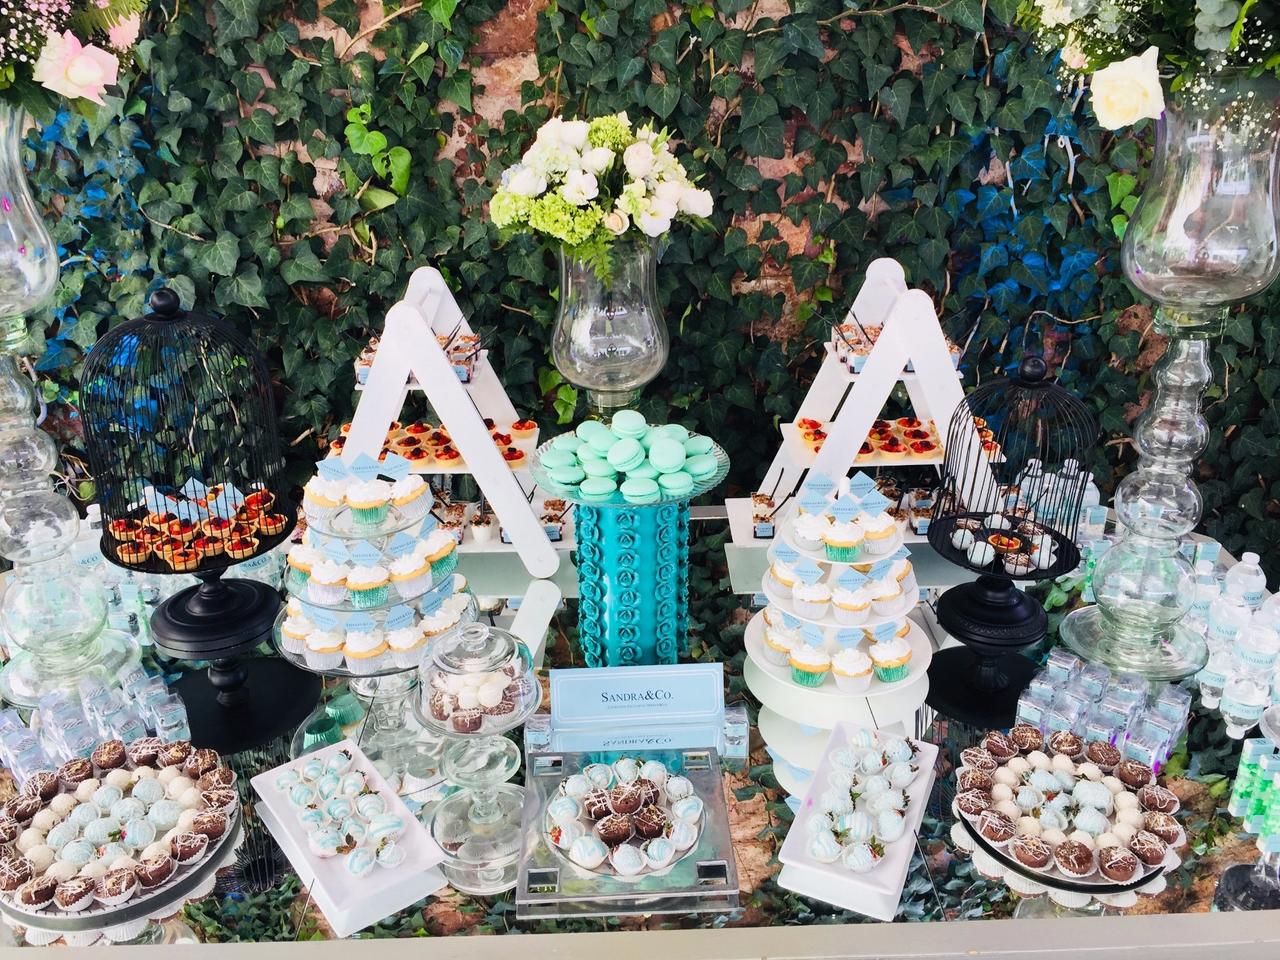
{"x": 633, "y": 583}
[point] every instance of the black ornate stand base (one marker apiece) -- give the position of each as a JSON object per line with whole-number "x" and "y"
{"x": 237, "y": 704}
{"x": 980, "y": 683}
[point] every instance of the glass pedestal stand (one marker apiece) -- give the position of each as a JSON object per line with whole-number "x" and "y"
{"x": 1045, "y": 908}
{"x": 1256, "y": 886}
{"x": 1142, "y": 584}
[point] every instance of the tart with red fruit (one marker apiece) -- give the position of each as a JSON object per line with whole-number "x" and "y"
{"x": 337, "y": 444}
{"x": 260, "y": 500}
{"x": 271, "y": 524}
{"x": 167, "y": 546}
{"x": 514, "y": 456}
{"x": 808, "y": 423}
{"x": 124, "y": 529}
{"x": 866, "y": 452}
{"x": 184, "y": 560}
{"x": 490, "y": 424}
{"x": 916, "y": 433}
{"x": 219, "y": 527}
{"x": 881, "y": 425}
{"x": 242, "y": 548}
{"x": 209, "y": 546}
{"x": 501, "y": 439}
{"x": 133, "y": 554}
{"x": 439, "y": 438}
{"x": 524, "y": 429}
{"x": 418, "y": 455}
{"x": 893, "y": 448}
{"x": 908, "y": 423}
{"x": 880, "y": 434}
{"x": 242, "y": 528}
{"x": 1005, "y": 543}
{"x": 418, "y": 429}
{"x": 160, "y": 520}
{"x": 150, "y": 535}
{"x": 814, "y": 439}
{"x": 183, "y": 529}
{"x": 407, "y": 442}
{"x": 448, "y": 455}
{"x": 922, "y": 448}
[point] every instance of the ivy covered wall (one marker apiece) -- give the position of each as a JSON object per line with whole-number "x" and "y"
{"x": 830, "y": 132}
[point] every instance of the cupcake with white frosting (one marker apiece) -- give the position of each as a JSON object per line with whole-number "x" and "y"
{"x": 842, "y": 541}
{"x": 411, "y": 575}
{"x": 410, "y": 496}
{"x": 778, "y": 641}
{"x": 891, "y": 659}
{"x": 850, "y": 607}
{"x": 365, "y": 651}
{"x": 808, "y": 530}
{"x": 879, "y": 532}
{"x": 852, "y": 670}
{"x": 811, "y": 600}
{"x": 406, "y": 646}
{"x": 368, "y": 587}
{"x": 328, "y": 583}
{"x": 369, "y": 501}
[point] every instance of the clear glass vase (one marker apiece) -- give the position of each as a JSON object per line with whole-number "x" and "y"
{"x": 28, "y": 257}
{"x": 1203, "y": 236}
{"x": 610, "y": 338}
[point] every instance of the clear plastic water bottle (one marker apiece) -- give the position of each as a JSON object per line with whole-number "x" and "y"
{"x": 1268, "y": 615}
{"x": 1228, "y": 615}
{"x": 1207, "y": 589}
{"x": 1256, "y": 650}
{"x": 1244, "y": 699}
{"x": 1248, "y": 573}
{"x": 1215, "y": 674}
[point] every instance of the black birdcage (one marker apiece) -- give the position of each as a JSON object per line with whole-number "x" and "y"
{"x": 1007, "y": 508}
{"x": 181, "y": 436}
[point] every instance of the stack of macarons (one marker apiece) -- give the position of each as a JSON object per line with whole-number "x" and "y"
{"x": 628, "y": 460}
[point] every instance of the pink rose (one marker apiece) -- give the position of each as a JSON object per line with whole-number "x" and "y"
{"x": 73, "y": 69}
{"x": 125, "y": 33}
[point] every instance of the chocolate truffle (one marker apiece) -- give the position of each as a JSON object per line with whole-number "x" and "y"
{"x": 649, "y": 792}
{"x": 441, "y": 705}
{"x": 199, "y": 762}
{"x": 518, "y": 689}
{"x": 75, "y": 772}
{"x": 22, "y": 808}
{"x": 615, "y": 829}
{"x": 145, "y": 751}
{"x": 1064, "y": 741}
{"x": 995, "y": 826}
{"x": 188, "y": 847}
{"x": 43, "y": 784}
{"x": 220, "y": 798}
{"x": 1155, "y": 797}
{"x": 1162, "y": 825}
{"x": 626, "y": 798}
{"x": 975, "y": 780}
{"x": 1104, "y": 754}
{"x": 14, "y": 872}
{"x": 651, "y": 822}
{"x": 37, "y": 893}
{"x": 1026, "y": 737}
{"x": 217, "y": 778}
{"x": 1074, "y": 858}
{"x": 155, "y": 870}
{"x": 999, "y": 746}
{"x": 467, "y": 720}
{"x": 1031, "y": 852}
{"x": 502, "y": 708}
{"x": 173, "y": 754}
{"x": 9, "y": 829}
{"x": 211, "y": 823}
{"x": 109, "y": 755}
{"x": 596, "y": 804}
{"x": 74, "y": 894}
{"x": 976, "y": 758}
{"x": 1118, "y": 864}
{"x": 972, "y": 802}
{"x": 1146, "y": 846}
{"x": 1134, "y": 773}
{"x": 118, "y": 884}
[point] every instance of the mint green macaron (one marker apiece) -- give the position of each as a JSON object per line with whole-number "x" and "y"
{"x": 558, "y": 457}
{"x": 676, "y": 484}
{"x": 585, "y": 453}
{"x": 697, "y": 444}
{"x": 567, "y": 441}
{"x": 567, "y": 476}
{"x": 701, "y": 466}
{"x": 597, "y": 488}
{"x": 675, "y": 432}
{"x": 639, "y": 490}
{"x": 598, "y": 468}
{"x": 646, "y": 470}
{"x": 650, "y": 436}
{"x": 629, "y": 423}
{"x": 589, "y": 428}
{"x": 601, "y": 442}
{"x": 626, "y": 454}
{"x": 667, "y": 455}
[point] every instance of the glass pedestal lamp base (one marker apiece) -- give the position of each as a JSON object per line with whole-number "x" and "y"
{"x": 1085, "y": 632}
{"x": 24, "y": 679}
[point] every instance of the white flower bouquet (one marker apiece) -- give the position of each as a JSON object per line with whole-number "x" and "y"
{"x": 585, "y": 184}
{"x": 1180, "y": 38}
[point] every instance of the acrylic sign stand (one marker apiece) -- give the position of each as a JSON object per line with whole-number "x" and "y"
{"x": 409, "y": 355}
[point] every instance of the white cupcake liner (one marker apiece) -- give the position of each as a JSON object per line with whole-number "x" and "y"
{"x": 408, "y": 658}
{"x": 886, "y": 608}
{"x": 366, "y": 666}
{"x": 878, "y": 547}
{"x": 415, "y": 508}
{"x": 317, "y": 660}
{"x": 293, "y": 644}
{"x": 782, "y": 589}
{"x": 813, "y": 609}
{"x": 779, "y": 658}
{"x": 415, "y": 586}
{"x": 850, "y": 618}
{"x": 852, "y": 684}
{"x": 326, "y": 593}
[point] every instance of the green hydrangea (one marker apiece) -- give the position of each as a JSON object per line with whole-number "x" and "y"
{"x": 507, "y": 208}
{"x": 610, "y": 131}
{"x": 632, "y": 200}
{"x": 555, "y": 216}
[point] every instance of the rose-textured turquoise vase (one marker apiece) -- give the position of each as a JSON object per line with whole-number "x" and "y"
{"x": 633, "y": 584}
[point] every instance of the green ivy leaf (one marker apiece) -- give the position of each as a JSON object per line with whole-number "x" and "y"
{"x": 244, "y": 289}
{"x": 457, "y": 89}
{"x": 303, "y": 267}
{"x": 222, "y": 255}
{"x": 662, "y": 99}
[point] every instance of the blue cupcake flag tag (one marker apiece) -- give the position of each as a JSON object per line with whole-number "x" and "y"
{"x": 187, "y": 510}
{"x": 431, "y": 602}
{"x": 845, "y": 509}
{"x": 332, "y": 468}
{"x": 399, "y": 617}
{"x": 365, "y": 553}
{"x": 876, "y": 502}
{"x": 226, "y": 502}
{"x": 395, "y": 466}
{"x": 336, "y": 551}
{"x": 193, "y": 489}
{"x": 881, "y": 569}
{"x": 400, "y": 544}
{"x": 861, "y": 484}
{"x": 154, "y": 501}
{"x": 809, "y": 572}
{"x": 884, "y": 631}
{"x": 429, "y": 523}
{"x": 786, "y": 553}
{"x": 360, "y": 623}
{"x": 848, "y": 637}
{"x": 788, "y": 621}
{"x": 365, "y": 467}
{"x": 819, "y": 484}
{"x": 322, "y": 618}
{"x": 812, "y": 635}
{"x": 813, "y": 503}
{"x": 851, "y": 580}
{"x": 902, "y": 553}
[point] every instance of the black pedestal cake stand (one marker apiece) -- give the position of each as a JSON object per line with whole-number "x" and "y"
{"x": 238, "y": 703}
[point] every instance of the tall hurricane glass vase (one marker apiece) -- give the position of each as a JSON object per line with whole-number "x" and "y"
{"x": 610, "y": 336}
{"x": 49, "y": 614}
{"x": 1203, "y": 237}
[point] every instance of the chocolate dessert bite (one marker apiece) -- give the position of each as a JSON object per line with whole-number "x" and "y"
{"x": 1104, "y": 754}
{"x": 502, "y": 708}
{"x": 1162, "y": 825}
{"x": 173, "y": 754}
{"x": 75, "y": 772}
{"x": 37, "y": 893}
{"x": 155, "y": 870}
{"x": 1031, "y": 852}
{"x": 9, "y": 829}
{"x": 211, "y": 823}
{"x": 975, "y": 780}
{"x": 467, "y": 720}
{"x": 626, "y": 798}
{"x": 995, "y": 826}
{"x": 1134, "y": 773}
{"x": 650, "y": 822}
{"x": 1155, "y": 797}
{"x": 596, "y": 804}
{"x": 22, "y": 808}
{"x": 976, "y": 758}
{"x": 1064, "y": 741}
{"x": 43, "y": 785}
{"x": 441, "y": 705}
{"x": 109, "y": 755}
{"x": 188, "y": 847}
{"x": 999, "y": 746}
{"x": 117, "y": 885}
{"x": 14, "y": 872}
{"x": 1148, "y": 848}
{"x": 1118, "y": 864}
{"x": 1074, "y": 858}
{"x": 972, "y": 802}
{"x": 615, "y": 829}
{"x": 220, "y": 798}
{"x": 199, "y": 762}
{"x": 649, "y": 792}
{"x": 75, "y": 894}
{"x": 145, "y": 751}
{"x": 217, "y": 778}
{"x": 1026, "y": 737}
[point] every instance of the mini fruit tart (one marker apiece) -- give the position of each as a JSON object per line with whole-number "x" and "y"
{"x": 241, "y": 529}
{"x": 501, "y": 439}
{"x": 219, "y": 527}
{"x": 881, "y": 425}
{"x": 893, "y": 448}
{"x": 184, "y": 560}
{"x": 149, "y": 535}
{"x": 448, "y": 455}
{"x": 490, "y": 424}
{"x": 808, "y": 423}
{"x": 407, "y": 441}
{"x": 133, "y": 554}
{"x": 439, "y": 438}
{"x": 866, "y": 452}
{"x": 209, "y": 546}
{"x": 260, "y": 500}
{"x": 160, "y": 520}
{"x": 922, "y": 447}
{"x": 248, "y": 514}
{"x": 124, "y": 529}
{"x": 991, "y": 448}
{"x": 337, "y": 443}
{"x": 183, "y": 529}
{"x": 418, "y": 429}
{"x": 916, "y": 433}
{"x": 815, "y": 438}
{"x": 166, "y": 546}
{"x": 417, "y": 455}
{"x": 272, "y": 523}
{"x": 908, "y": 423}
{"x": 1005, "y": 543}
{"x": 880, "y": 434}
{"x": 242, "y": 548}
{"x": 514, "y": 456}
{"x": 524, "y": 429}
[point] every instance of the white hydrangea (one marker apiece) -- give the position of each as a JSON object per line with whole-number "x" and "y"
{"x": 579, "y": 187}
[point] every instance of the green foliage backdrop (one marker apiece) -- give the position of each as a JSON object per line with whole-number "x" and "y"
{"x": 830, "y": 136}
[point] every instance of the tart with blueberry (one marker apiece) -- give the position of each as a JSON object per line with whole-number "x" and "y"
{"x": 417, "y": 455}
{"x": 270, "y": 524}
{"x": 184, "y": 560}
{"x": 893, "y": 449}
{"x": 524, "y": 429}
{"x": 134, "y": 554}
{"x": 209, "y": 546}
{"x": 922, "y": 448}
{"x": 242, "y": 548}
{"x": 183, "y": 529}
{"x": 514, "y": 456}
{"x": 448, "y": 455}
{"x": 124, "y": 529}
{"x": 219, "y": 527}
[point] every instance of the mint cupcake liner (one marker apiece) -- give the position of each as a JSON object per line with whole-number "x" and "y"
{"x": 842, "y": 554}
{"x": 444, "y": 566}
{"x": 367, "y": 599}
{"x": 369, "y": 516}
{"x": 296, "y": 582}
{"x": 808, "y": 678}
{"x": 891, "y": 674}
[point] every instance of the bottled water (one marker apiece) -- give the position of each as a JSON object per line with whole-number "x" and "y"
{"x": 1244, "y": 699}
{"x": 1206, "y": 591}
{"x": 1228, "y": 615}
{"x": 1268, "y": 614}
{"x": 1256, "y": 650}
{"x": 1213, "y": 678}
{"x": 1250, "y": 575}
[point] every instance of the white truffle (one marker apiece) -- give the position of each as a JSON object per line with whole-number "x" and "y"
{"x": 41, "y": 857}
{"x": 1131, "y": 817}
{"x": 1039, "y": 760}
{"x": 168, "y": 775}
{"x": 62, "y": 805}
{"x": 176, "y": 787}
{"x": 1029, "y": 827}
{"x": 190, "y": 798}
{"x": 1053, "y": 836}
{"x": 155, "y": 849}
{"x": 1005, "y": 776}
{"x": 85, "y": 791}
{"x": 1001, "y": 791}
{"x": 1114, "y": 784}
{"x": 123, "y": 863}
{"x": 1125, "y": 801}
{"x": 1018, "y": 765}
{"x": 1090, "y": 771}
{"x": 145, "y": 773}
{"x": 1063, "y": 763}
{"x": 122, "y": 780}
{"x": 1123, "y": 832}
{"x": 1079, "y": 836}
{"x": 186, "y": 819}
{"x": 29, "y": 838}
{"x": 45, "y": 820}
{"x": 1009, "y": 809}
{"x": 62, "y": 870}
{"x": 1107, "y": 839}
{"x": 94, "y": 869}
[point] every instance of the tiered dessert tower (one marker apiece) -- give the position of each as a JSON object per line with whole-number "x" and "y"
{"x": 822, "y": 602}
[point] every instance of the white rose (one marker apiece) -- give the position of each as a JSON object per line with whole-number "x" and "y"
{"x": 579, "y": 187}
{"x": 663, "y": 208}
{"x": 527, "y": 183}
{"x": 549, "y": 132}
{"x": 669, "y": 191}
{"x": 652, "y": 224}
{"x": 638, "y": 159}
{"x": 696, "y": 203}
{"x": 597, "y": 159}
{"x": 1128, "y": 91}
{"x": 616, "y": 222}
{"x": 573, "y": 133}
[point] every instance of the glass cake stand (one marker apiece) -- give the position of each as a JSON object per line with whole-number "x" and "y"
{"x": 633, "y": 569}
{"x": 479, "y": 827}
